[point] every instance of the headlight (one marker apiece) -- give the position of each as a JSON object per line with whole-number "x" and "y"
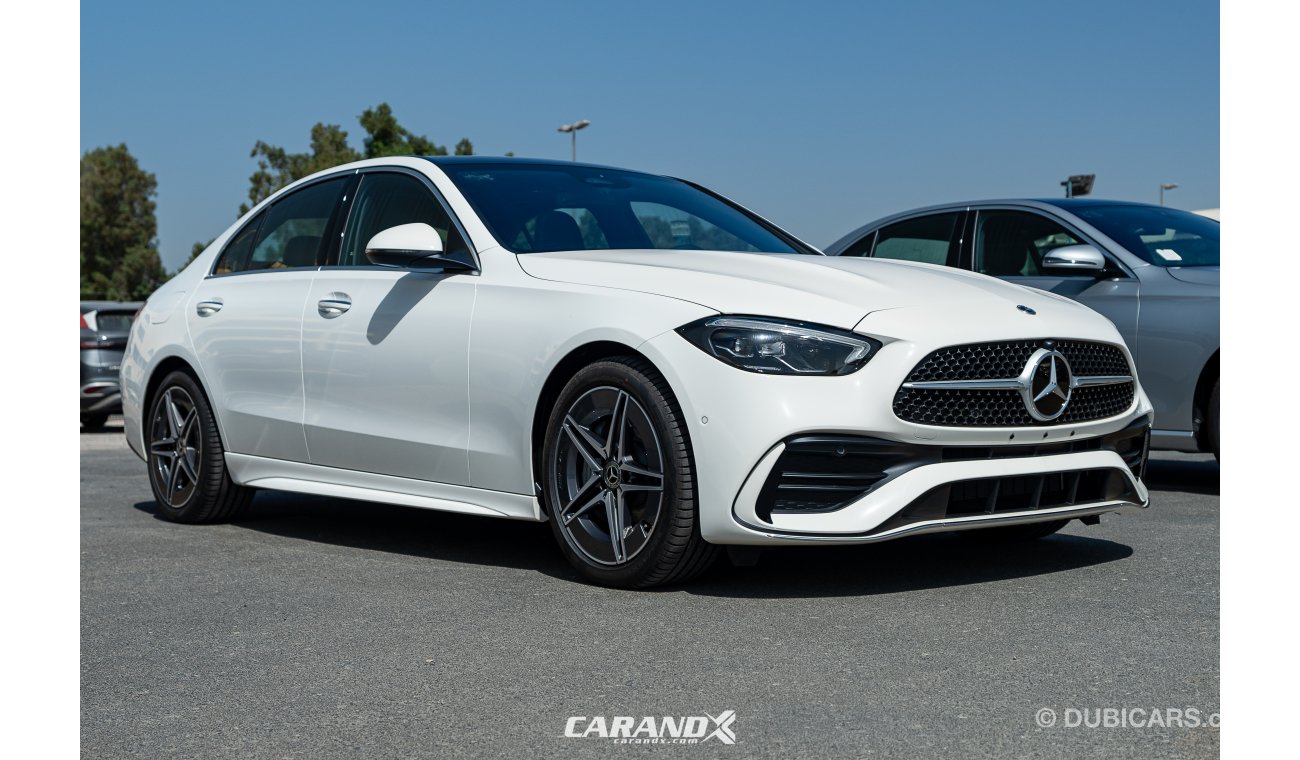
{"x": 770, "y": 346}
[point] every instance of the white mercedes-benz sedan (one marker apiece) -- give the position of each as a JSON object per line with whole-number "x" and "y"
{"x": 649, "y": 367}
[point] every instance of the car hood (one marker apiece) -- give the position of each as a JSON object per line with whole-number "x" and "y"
{"x": 826, "y": 289}
{"x": 1196, "y": 275}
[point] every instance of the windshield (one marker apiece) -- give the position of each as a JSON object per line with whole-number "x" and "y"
{"x": 1163, "y": 236}
{"x": 533, "y": 208}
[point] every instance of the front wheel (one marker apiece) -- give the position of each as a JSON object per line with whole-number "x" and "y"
{"x": 187, "y": 463}
{"x": 619, "y": 478}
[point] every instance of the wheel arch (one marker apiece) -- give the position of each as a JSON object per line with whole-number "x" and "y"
{"x": 1201, "y": 400}
{"x": 162, "y": 369}
{"x": 560, "y": 374}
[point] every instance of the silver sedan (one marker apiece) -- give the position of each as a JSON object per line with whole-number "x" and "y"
{"x": 1153, "y": 271}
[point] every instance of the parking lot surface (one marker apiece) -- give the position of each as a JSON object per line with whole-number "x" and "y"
{"x": 318, "y": 628}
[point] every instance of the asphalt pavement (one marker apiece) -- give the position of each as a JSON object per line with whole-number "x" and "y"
{"x": 322, "y": 628}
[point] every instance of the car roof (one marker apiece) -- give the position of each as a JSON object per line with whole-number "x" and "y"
{"x": 500, "y": 160}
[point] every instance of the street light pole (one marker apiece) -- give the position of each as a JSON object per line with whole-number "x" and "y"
{"x": 1166, "y": 186}
{"x": 572, "y": 129}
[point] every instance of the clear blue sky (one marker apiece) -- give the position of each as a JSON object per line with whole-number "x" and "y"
{"x": 820, "y": 115}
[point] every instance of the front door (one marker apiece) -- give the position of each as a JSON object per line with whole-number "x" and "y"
{"x": 385, "y": 351}
{"x": 1009, "y": 244}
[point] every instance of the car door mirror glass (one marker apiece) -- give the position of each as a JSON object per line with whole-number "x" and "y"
{"x": 1081, "y": 259}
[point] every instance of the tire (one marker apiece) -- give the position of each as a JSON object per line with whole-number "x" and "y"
{"x": 1212, "y": 421}
{"x": 1012, "y": 534}
{"x": 187, "y": 471}
{"x": 643, "y": 480}
{"x": 93, "y": 422}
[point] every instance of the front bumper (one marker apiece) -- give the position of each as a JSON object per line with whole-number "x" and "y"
{"x": 741, "y": 424}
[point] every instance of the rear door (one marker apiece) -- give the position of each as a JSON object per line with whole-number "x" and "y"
{"x": 1009, "y": 243}
{"x": 385, "y": 350}
{"x": 245, "y": 320}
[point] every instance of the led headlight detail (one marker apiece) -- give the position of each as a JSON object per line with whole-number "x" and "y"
{"x": 776, "y": 347}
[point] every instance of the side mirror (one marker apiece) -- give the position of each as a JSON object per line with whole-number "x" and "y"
{"x": 1074, "y": 259}
{"x": 412, "y": 246}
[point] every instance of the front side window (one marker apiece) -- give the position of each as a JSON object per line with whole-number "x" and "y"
{"x": 1162, "y": 236}
{"x": 1012, "y": 243}
{"x": 926, "y": 239}
{"x": 533, "y": 208}
{"x": 390, "y": 199}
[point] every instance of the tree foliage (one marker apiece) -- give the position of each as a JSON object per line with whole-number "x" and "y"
{"x": 119, "y": 230}
{"x": 276, "y": 167}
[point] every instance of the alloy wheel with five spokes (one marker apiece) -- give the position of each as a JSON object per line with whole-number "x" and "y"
{"x": 186, "y": 456}
{"x": 618, "y": 477}
{"x": 175, "y": 447}
{"x": 609, "y": 476}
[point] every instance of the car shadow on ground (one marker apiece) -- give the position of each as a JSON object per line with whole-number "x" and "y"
{"x": 910, "y": 564}
{"x": 110, "y": 428}
{"x": 1186, "y": 474}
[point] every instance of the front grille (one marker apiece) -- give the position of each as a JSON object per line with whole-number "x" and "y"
{"x": 976, "y": 407}
{"x": 1015, "y": 493}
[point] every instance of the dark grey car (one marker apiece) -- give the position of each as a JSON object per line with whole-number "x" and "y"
{"x": 104, "y": 329}
{"x": 1153, "y": 271}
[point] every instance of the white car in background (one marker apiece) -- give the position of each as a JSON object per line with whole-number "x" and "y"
{"x": 649, "y": 367}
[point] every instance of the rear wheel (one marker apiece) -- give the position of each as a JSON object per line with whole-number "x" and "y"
{"x": 1010, "y": 534}
{"x": 187, "y": 463}
{"x": 619, "y": 478}
{"x": 93, "y": 422}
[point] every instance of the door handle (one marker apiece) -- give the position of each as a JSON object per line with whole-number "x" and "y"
{"x": 334, "y": 304}
{"x": 209, "y": 307}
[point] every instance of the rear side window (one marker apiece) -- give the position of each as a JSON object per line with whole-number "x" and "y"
{"x": 927, "y": 239}
{"x": 290, "y": 234}
{"x": 388, "y": 200}
{"x": 235, "y": 257}
{"x": 862, "y": 247}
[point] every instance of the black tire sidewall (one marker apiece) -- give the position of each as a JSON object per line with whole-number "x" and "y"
{"x": 678, "y": 468}
{"x": 212, "y": 464}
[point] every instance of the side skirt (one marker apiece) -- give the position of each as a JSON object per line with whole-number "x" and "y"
{"x": 283, "y": 475}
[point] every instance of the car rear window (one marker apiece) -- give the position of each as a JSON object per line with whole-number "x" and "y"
{"x": 114, "y": 321}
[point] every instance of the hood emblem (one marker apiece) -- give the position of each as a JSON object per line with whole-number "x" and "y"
{"x": 1025, "y": 309}
{"x": 1049, "y": 385}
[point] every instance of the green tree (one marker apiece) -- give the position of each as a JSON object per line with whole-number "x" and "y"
{"x": 277, "y": 167}
{"x": 119, "y": 230}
